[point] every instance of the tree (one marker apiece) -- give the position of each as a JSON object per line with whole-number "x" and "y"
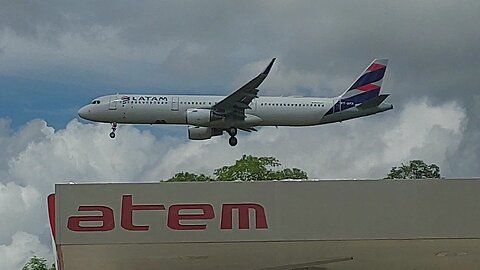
{"x": 257, "y": 168}
{"x": 246, "y": 168}
{"x": 36, "y": 263}
{"x": 190, "y": 177}
{"x": 293, "y": 173}
{"x": 416, "y": 169}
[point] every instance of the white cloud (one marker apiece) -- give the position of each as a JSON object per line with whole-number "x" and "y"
{"x": 426, "y": 132}
{"x": 83, "y": 152}
{"x": 23, "y": 246}
{"x": 12, "y": 143}
{"x": 18, "y": 206}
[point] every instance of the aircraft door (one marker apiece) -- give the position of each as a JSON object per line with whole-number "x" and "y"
{"x": 174, "y": 103}
{"x": 112, "y": 105}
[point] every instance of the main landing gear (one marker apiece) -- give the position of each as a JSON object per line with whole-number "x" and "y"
{"x": 114, "y": 128}
{"x": 232, "y": 132}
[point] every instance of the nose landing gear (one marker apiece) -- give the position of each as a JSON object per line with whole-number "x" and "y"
{"x": 232, "y": 132}
{"x": 114, "y": 128}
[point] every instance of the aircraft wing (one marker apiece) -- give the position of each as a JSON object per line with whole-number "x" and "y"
{"x": 235, "y": 104}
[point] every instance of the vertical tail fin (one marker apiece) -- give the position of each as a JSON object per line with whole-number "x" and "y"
{"x": 365, "y": 88}
{"x": 368, "y": 85}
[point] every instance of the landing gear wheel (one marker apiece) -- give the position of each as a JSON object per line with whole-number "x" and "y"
{"x": 114, "y": 128}
{"x": 232, "y": 141}
{"x": 232, "y": 131}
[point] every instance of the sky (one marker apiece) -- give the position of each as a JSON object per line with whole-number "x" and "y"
{"x": 56, "y": 56}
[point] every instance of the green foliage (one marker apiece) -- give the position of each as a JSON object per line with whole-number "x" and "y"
{"x": 190, "y": 177}
{"x": 36, "y": 263}
{"x": 416, "y": 169}
{"x": 293, "y": 173}
{"x": 257, "y": 168}
{"x": 247, "y": 168}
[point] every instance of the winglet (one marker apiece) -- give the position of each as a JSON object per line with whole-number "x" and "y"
{"x": 267, "y": 70}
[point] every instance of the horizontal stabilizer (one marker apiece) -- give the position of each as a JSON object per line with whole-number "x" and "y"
{"x": 374, "y": 102}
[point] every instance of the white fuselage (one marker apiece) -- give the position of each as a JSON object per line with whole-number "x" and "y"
{"x": 265, "y": 111}
{"x": 210, "y": 116}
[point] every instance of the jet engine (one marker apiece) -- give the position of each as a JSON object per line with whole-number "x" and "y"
{"x": 201, "y": 117}
{"x": 203, "y": 133}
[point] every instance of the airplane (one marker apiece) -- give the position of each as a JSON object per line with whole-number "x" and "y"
{"x": 209, "y": 116}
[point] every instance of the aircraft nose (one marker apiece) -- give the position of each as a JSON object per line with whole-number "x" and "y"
{"x": 84, "y": 112}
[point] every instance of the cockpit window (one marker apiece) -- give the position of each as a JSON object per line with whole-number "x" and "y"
{"x": 96, "y": 102}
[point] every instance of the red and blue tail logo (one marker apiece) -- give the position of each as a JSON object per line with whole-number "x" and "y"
{"x": 365, "y": 88}
{"x": 368, "y": 85}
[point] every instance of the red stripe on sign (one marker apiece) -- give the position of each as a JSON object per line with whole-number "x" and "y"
{"x": 374, "y": 67}
{"x": 368, "y": 87}
{"x": 51, "y": 214}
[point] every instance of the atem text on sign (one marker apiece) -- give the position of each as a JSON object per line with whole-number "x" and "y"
{"x": 179, "y": 217}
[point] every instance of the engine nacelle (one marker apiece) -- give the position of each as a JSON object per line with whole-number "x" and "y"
{"x": 201, "y": 117}
{"x": 203, "y": 133}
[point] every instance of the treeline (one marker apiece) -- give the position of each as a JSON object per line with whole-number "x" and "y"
{"x": 248, "y": 168}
